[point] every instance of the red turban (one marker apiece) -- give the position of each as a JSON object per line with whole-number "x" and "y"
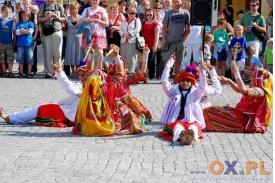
{"x": 186, "y": 75}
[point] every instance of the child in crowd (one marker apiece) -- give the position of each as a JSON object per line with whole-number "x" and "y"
{"x": 24, "y": 43}
{"x": 268, "y": 56}
{"x": 6, "y": 42}
{"x": 221, "y": 39}
{"x": 254, "y": 60}
{"x": 240, "y": 15}
{"x": 238, "y": 44}
{"x": 207, "y": 48}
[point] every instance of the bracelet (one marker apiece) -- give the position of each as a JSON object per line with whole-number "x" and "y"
{"x": 237, "y": 75}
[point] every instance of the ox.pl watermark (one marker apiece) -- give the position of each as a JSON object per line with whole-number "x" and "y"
{"x": 217, "y": 167}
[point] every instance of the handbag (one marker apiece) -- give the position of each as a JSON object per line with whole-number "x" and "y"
{"x": 262, "y": 36}
{"x": 48, "y": 30}
{"x": 140, "y": 41}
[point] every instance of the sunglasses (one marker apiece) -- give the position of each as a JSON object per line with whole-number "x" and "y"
{"x": 253, "y": 5}
{"x": 149, "y": 15}
{"x": 131, "y": 13}
{"x": 186, "y": 80}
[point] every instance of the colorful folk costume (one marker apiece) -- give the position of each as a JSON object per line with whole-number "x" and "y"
{"x": 183, "y": 106}
{"x": 128, "y": 112}
{"x": 60, "y": 114}
{"x": 93, "y": 117}
{"x": 251, "y": 115}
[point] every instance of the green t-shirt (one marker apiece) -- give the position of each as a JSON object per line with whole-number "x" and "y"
{"x": 268, "y": 53}
{"x": 247, "y": 20}
{"x": 221, "y": 39}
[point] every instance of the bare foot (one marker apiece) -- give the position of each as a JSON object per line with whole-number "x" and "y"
{"x": 4, "y": 115}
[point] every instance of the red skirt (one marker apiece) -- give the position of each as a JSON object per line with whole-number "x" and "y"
{"x": 227, "y": 119}
{"x": 52, "y": 115}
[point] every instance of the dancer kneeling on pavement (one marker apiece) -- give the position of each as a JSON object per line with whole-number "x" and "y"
{"x": 128, "y": 112}
{"x": 182, "y": 117}
{"x": 254, "y": 111}
{"x": 61, "y": 114}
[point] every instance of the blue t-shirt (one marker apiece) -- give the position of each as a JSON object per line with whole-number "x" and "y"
{"x": 241, "y": 42}
{"x": 25, "y": 40}
{"x": 6, "y": 31}
{"x": 255, "y": 61}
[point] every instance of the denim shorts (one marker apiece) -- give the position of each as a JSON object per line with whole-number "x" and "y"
{"x": 24, "y": 54}
{"x": 222, "y": 55}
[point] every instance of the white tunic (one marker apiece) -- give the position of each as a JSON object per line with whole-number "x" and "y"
{"x": 68, "y": 105}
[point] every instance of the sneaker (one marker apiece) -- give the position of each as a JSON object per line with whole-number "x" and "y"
{"x": 21, "y": 75}
{"x": 29, "y": 76}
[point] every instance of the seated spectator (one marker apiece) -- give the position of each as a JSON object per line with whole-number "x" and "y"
{"x": 254, "y": 60}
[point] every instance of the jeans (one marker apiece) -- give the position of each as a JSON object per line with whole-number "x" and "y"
{"x": 24, "y": 54}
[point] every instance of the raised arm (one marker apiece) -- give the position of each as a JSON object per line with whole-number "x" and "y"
{"x": 67, "y": 85}
{"x": 166, "y": 85}
{"x": 240, "y": 87}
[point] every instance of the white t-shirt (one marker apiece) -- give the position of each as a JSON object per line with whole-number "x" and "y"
{"x": 194, "y": 37}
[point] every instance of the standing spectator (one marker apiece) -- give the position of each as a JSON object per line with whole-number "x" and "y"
{"x": 255, "y": 20}
{"x": 221, "y": 39}
{"x": 37, "y": 38}
{"x": 269, "y": 29}
{"x": 167, "y": 5}
{"x": 128, "y": 31}
{"x": 83, "y": 5}
{"x": 239, "y": 42}
{"x": 24, "y": 42}
{"x": 51, "y": 16}
{"x": 268, "y": 56}
{"x": 229, "y": 29}
{"x": 151, "y": 31}
{"x": 64, "y": 41}
{"x": 228, "y": 12}
{"x": 159, "y": 18}
{"x": 254, "y": 60}
{"x": 193, "y": 46}
{"x": 73, "y": 51}
{"x": 145, "y": 5}
{"x": 207, "y": 48}
{"x": 176, "y": 26}
{"x": 240, "y": 15}
{"x": 26, "y": 6}
{"x": 122, "y": 7}
{"x": 98, "y": 19}
{"x": 115, "y": 20}
{"x": 6, "y": 42}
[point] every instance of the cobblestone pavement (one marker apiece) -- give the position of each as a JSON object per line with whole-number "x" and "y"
{"x": 41, "y": 154}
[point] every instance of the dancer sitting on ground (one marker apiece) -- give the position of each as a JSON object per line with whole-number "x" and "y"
{"x": 254, "y": 111}
{"x": 128, "y": 112}
{"x": 183, "y": 116}
{"x": 93, "y": 117}
{"x": 61, "y": 114}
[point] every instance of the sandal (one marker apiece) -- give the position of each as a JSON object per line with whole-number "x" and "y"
{"x": 10, "y": 75}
